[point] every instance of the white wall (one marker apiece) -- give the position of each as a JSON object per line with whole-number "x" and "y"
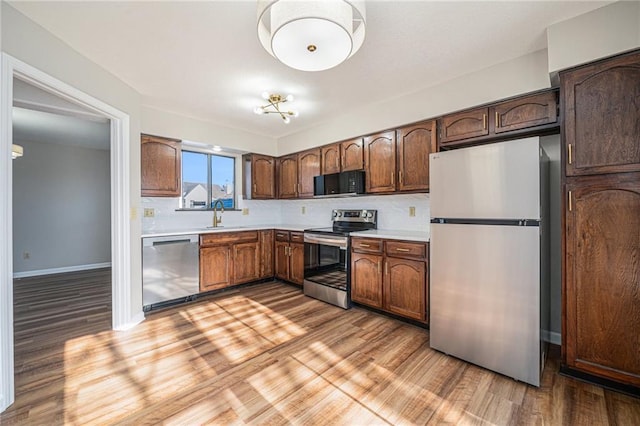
{"x": 162, "y": 123}
{"x": 30, "y": 43}
{"x": 521, "y": 75}
{"x": 600, "y": 33}
{"x": 61, "y": 207}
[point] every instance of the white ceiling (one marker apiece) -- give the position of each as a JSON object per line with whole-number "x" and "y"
{"x": 203, "y": 59}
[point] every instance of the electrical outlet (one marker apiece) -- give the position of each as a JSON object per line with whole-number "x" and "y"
{"x": 26, "y": 255}
{"x": 245, "y": 211}
{"x": 412, "y": 211}
{"x": 133, "y": 213}
{"x": 304, "y": 210}
{"x": 149, "y": 212}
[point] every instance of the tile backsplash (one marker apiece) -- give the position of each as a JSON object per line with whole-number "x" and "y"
{"x": 393, "y": 212}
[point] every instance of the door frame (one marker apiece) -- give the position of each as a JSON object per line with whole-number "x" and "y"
{"x": 122, "y": 314}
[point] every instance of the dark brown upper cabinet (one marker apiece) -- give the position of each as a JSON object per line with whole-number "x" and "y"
{"x": 464, "y": 125}
{"x": 308, "y": 168}
{"x": 522, "y": 113}
{"x": 415, "y": 143}
{"x": 601, "y": 107}
{"x": 331, "y": 159}
{"x": 161, "y": 160}
{"x": 380, "y": 162}
{"x": 287, "y": 172}
{"x": 259, "y": 173}
{"x": 352, "y": 155}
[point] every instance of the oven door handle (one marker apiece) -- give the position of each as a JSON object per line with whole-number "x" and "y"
{"x": 326, "y": 241}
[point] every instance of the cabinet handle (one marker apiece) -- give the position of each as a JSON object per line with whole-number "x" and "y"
{"x": 570, "y": 149}
{"x": 484, "y": 121}
{"x": 255, "y": 187}
{"x": 400, "y": 176}
{"x": 497, "y": 119}
{"x": 570, "y": 205}
{"x": 392, "y": 178}
{"x": 378, "y": 264}
{"x": 386, "y": 268}
{"x": 402, "y": 249}
{"x": 342, "y": 162}
{"x": 365, "y": 245}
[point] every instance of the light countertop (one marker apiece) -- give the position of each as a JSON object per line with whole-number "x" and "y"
{"x": 422, "y": 236}
{"x": 175, "y": 232}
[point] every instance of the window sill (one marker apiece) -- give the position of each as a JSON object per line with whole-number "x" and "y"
{"x": 207, "y": 210}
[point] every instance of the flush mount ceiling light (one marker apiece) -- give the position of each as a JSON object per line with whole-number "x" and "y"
{"x": 16, "y": 151}
{"x": 273, "y": 107}
{"x": 311, "y": 35}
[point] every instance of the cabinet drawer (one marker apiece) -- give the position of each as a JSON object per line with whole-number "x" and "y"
{"x": 406, "y": 249}
{"x": 228, "y": 238}
{"x": 297, "y": 237}
{"x": 282, "y": 235}
{"x": 366, "y": 245}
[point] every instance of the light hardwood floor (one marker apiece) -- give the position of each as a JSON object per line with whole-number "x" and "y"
{"x": 264, "y": 354}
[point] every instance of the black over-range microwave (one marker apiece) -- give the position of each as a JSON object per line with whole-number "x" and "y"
{"x": 339, "y": 183}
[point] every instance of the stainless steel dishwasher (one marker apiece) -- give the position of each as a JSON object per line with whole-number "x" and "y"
{"x": 170, "y": 270}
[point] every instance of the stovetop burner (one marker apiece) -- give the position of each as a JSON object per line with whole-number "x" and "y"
{"x": 347, "y": 221}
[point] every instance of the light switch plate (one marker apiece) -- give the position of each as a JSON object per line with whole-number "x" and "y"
{"x": 149, "y": 212}
{"x": 245, "y": 211}
{"x": 304, "y": 210}
{"x": 412, "y": 211}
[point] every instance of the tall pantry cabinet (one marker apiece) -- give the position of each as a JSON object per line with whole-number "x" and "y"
{"x": 601, "y": 240}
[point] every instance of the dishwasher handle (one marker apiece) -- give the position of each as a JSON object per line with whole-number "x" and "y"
{"x": 166, "y": 243}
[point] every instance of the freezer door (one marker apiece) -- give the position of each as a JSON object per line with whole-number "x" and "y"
{"x": 485, "y": 297}
{"x": 496, "y": 181}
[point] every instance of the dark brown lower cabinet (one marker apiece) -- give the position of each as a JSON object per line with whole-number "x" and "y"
{"x": 289, "y": 256}
{"x": 266, "y": 253}
{"x": 391, "y": 276}
{"x": 246, "y": 262}
{"x": 366, "y": 279}
{"x": 601, "y": 327}
{"x": 215, "y": 267}
{"x": 404, "y": 287}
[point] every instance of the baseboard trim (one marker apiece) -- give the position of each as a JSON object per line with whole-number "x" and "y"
{"x": 64, "y": 269}
{"x": 552, "y": 337}
{"x": 135, "y": 320}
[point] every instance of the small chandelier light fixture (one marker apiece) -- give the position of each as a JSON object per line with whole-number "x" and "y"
{"x": 273, "y": 107}
{"x": 311, "y": 35}
{"x": 16, "y": 151}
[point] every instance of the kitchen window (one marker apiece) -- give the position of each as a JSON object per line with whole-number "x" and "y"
{"x": 207, "y": 178}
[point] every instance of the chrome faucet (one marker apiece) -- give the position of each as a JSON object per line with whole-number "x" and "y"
{"x": 217, "y": 220}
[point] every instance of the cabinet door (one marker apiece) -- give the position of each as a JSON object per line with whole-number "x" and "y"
{"x": 529, "y": 111}
{"x": 415, "y": 143}
{"x": 216, "y": 267}
{"x": 602, "y": 117}
{"x": 380, "y": 162}
{"x": 263, "y": 177}
{"x": 405, "y": 287}
{"x": 331, "y": 159}
{"x": 296, "y": 265}
{"x": 287, "y": 172}
{"x": 266, "y": 253}
{"x": 282, "y": 260}
{"x": 602, "y": 282}
{"x": 161, "y": 166}
{"x": 352, "y": 155}
{"x": 308, "y": 168}
{"x": 246, "y": 262}
{"x": 366, "y": 279}
{"x": 464, "y": 125}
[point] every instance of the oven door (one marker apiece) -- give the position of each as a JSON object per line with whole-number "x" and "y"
{"x": 326, "y": 274}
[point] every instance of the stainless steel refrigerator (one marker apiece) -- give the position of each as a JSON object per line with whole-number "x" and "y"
{"x": 489, "y": 277}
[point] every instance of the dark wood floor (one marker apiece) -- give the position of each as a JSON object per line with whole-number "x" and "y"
{"x": 263, "y": 354}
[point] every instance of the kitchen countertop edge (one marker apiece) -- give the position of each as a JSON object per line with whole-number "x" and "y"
{"x": 171, "y": 233}
{"x": 421, "y": 236}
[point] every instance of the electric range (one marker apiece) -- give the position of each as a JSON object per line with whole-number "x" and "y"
{"x": 327, "y": 260}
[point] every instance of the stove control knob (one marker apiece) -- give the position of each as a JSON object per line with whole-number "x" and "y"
{"x": 369, "y": 214}
{"x": 335, "y": 214}
{"x": 339, "y": 214}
